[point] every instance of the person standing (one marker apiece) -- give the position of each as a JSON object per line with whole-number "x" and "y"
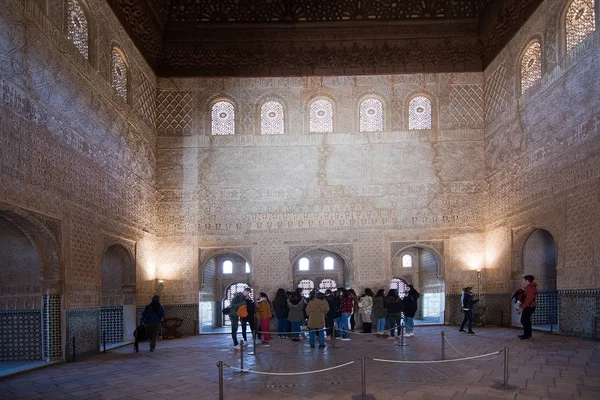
{"x": 365, "y": 307}
{"x": 296, "y": 315}
{"x": 379, "y": 312}
{"x": 467, "y": 302}
{"x": 410, "y": 303}
{"x": 281, "y": 312}
{"x": 152, "y": 316}
{"x": 264, "y": 316}
{"x": 249, "y": 319}
{"x": 346, "y": 309}
{"x": 238, "y": 299}
{"x": 393, "y": 305}
{"x": 528, "y": 305}
{"x": 317, "y": 308}
{"x": 333, "y": 314}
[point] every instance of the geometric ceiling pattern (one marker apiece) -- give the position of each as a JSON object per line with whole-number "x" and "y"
{"x": 319, "y": 37}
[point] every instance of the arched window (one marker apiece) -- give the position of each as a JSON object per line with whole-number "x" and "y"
{"x": 247, "y": 268}
{"x": 321, "y": 116}
{"x": 371, "y": 115}
{"x": 407, "y": 261}
{"x": 400, "y": 285}
{"x": 327, "y": 284}
{"x": 271, "y": 118}
{"x": 580, "y": 21}
{"x": 227, "y": 267}
{"x": 307, "y": 286}
{"x": 222, "y": 118}
{"x": 328, "y": 263}
{"x": 531, "y": 66}
{"x": 419, "y": 113}
{"x": 118, "y": 75}
{"x": 303, "y": 264}
{"x": 77, "y": 27}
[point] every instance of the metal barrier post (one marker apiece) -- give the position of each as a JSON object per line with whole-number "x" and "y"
{"x": 506, "y": 354}
{"x": 74, "y": 356}
{"x": 220, "y": 365}
{"x": 253, "y": 353}
{"x": 401, "y": 335}
{"x": 104, "y": 339}
{"x": 242, "y": 355}
{"x": 363, "y": 375}
{"x": 443, "y": 345}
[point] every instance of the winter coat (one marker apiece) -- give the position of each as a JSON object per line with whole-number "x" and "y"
{"x": 334, "y": 306}
{"x": 467, "y": 301}
{"x": 392, "y": 304}
{"x": 365, "y": 305}
{"x": 378, "y": 308}
{"x": 153, "y": 313}
{"x": 251, "y": 307}
{"x": 236, "y": 302}
{"x": 263, "y": 309}
{"x": 410, "y": 303}
{"x": 296, "y": 313}
{"x": 281, "y": 307}
{"x": 529, "y": 297}
{"x": 316, "y": 310}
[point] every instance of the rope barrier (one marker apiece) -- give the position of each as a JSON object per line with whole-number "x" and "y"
{"x": 288, "y": 373}
{"x": 464, "y": 355}
{"x": 435, "y": 361}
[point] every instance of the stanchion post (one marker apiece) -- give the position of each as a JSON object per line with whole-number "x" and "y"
{"x": 220, "y": 365}
{"x": 242, "y": 356}
{"x": 104, "y": 340}
{"x": 443, "y": 345}
{"x": 74, "y": 353}
{"x": 363, "y": 377}
{"x": 401, "y": 335}
{"x": 506, "y": 355}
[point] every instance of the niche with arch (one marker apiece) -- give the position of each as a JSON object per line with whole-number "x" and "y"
{"x": 117, "y": 315}
{"x": 539, "y": 260}
{"x": 320, "y": 269}
{"x": 421, "y": 267}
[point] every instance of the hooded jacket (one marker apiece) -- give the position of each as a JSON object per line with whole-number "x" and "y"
{"x": 296, "y": 313}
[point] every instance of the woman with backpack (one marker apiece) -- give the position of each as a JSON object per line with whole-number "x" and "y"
{"x": 152, "y": 316}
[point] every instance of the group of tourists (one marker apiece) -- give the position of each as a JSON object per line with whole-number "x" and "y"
{"x": 332, "y": 312}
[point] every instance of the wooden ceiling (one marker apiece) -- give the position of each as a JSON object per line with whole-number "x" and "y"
{"x": 319, "y": 37}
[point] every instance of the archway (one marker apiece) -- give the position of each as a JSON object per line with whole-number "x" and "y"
{"x": 320, "y": 269}
{"x": 220, "y": 277}
{"x": 421, "y": 267}
{"x": 539, "y": 260}
{"x": 117, "y": 315}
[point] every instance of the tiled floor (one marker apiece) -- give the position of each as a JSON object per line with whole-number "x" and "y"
{"x": 548, "y": 366}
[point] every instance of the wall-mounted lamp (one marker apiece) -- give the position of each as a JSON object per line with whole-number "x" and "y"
{"x": 159, "y": 285}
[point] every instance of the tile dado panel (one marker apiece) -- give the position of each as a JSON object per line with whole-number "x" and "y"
{"x": 20, "y": 335}
{"x": 83, "y": 325}
{"x": 111, "y": 324}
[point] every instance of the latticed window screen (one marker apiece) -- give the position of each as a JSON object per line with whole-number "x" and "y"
{"x": 580, "y": 22}
{"x": 77, "y": 27}
{"x": 271, "y": 118}
{"x": 407, "y": 261}
{"x": 531, "y": 66}
{"x": 371, "y": 115}
{"x": 303, "y": 264}
{"x": 223, "y": 118}
{"x": 306, "y": 285}
{"x": 328, "y": 263}
{"x": 400, "y": 285}
{"x": 321, "y": 116}
{"x": 229, "y": 293}
{"x": 419, "y": 113}
{"x": 118, "y": 76}
{"x": 327, "y": 284}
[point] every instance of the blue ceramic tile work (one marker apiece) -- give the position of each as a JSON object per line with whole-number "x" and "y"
{"x": 546, "y": 310}
{"x": 52, "y": 326}
{"x": 111, "y": 320}
{"x": 579, "y": 312}
{"x": 20, "y": 335}
{"x": 84, "y": 326}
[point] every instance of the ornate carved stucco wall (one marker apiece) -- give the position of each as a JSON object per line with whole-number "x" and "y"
{"x": 543, "y": 163}
{"x": 73, "y": 154}
{"x": 351, "y": 191}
